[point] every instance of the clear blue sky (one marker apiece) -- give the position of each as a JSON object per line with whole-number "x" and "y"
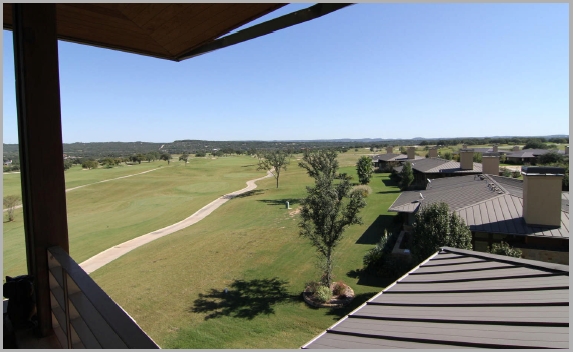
{"x": 366, "y": 71}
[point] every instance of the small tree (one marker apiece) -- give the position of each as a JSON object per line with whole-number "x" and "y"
{"x": 364, "y": 170}
{"x": 407, "y": 176}
{"x": 10, "y": 203}
{"x": 90, "y": 164}
{"x": 504, "y": 248}
{"x": 329, "y": 207}
{"x": 166, "y": 157}
{"x": 184, "y": 157}
{"x": 549, "y": 158}
{"x": 434, "y": 227}
{"x": 274, "y": 161}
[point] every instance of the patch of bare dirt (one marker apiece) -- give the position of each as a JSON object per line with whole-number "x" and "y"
{"x": 294, "y": 212}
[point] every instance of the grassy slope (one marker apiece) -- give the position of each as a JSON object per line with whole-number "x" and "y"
{"x": 109, "y": 213}
{"x": 252, "y": 240}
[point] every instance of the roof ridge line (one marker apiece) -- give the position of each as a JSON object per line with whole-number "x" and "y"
{"x": 515, "y": 261}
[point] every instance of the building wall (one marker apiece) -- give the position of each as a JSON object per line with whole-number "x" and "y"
{"x": 551, "y": 250}
{"x": 545, "y": 255}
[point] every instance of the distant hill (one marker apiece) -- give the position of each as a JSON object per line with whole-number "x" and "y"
{"x": 115, "y": 149}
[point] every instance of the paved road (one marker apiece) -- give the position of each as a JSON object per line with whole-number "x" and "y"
{"x": 89, "y": 184}
{"x": 115, "y": 252}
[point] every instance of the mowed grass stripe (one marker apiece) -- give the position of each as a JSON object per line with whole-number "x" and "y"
{"x": 249, "y": 239}
{"x": 106, "y": 214}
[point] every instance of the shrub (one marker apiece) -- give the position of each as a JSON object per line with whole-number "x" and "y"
{"x": 505, "y": 172}
{"x": 394, "y": 267}
{"x": 515, "y": 174}
{"x": 363, "y": 189}
{"x": 504, "y": 248}
{"x": 339, "y": 288}
{"x": 435, "y": 227}
{"x": 323, "y": 294}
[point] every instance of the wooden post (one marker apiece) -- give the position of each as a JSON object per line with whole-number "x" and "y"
{"x": 40, "y": 144}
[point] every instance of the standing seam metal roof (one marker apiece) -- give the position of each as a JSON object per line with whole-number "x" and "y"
{"x": 497, "y": 209}
{"x": 438, "y": 165}
{"x": 459, "y": 298}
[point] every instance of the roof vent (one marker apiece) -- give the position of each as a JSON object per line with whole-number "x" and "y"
{"x": 421, "y": 196}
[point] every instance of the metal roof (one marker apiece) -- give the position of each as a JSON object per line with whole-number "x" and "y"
{"x": 532, "y": 153}
{"x": 457, "y": 192}
{"x": 497, "y": 209}
{"x": 459, "y": 298}
{"x": 169, "y": 31}
{"x": 504, "y": 215}
{"x": 439, "y": 165}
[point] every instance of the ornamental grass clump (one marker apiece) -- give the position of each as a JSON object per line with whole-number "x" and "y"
{"x": 363, "y": 189}
{"x": 323, "y": 294}
{"x": 339, "y": 289}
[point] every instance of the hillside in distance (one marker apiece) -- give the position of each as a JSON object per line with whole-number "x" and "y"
{"x": 116, "y": 149}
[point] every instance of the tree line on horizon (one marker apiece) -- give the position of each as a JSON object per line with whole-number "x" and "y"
{"x": 98, "y": 150}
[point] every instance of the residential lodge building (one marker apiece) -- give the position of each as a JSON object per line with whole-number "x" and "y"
{"x": 532, "y": 215}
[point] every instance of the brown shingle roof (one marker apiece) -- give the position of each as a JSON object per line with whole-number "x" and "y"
{"x": 459, "y": 298}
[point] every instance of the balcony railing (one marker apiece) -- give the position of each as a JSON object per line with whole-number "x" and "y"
{"x": 83, "y": 315}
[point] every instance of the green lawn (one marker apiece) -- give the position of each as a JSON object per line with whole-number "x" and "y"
{"x": 106, "y": 214}
{"x": 76, "y": 176}
{"x": 173, "y": 287}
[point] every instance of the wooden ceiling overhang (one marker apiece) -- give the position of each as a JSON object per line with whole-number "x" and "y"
{"x": 168, "y": 31}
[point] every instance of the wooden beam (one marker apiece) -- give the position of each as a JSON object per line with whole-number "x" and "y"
{"x": 265, "y": 28}
{"x": 40, "y": 144}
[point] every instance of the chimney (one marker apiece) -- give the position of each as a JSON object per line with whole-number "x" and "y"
{"x": 433, "y": 152}
{"x": 389, "y": 149}
{"x": 542, "y": 195}
{"x": 466, "y": 159}
{"x": 411, "y": 152}
{"x": 515, "y": 148}
{"x": 490, "y": 163}
{"x": 495, "y": 148}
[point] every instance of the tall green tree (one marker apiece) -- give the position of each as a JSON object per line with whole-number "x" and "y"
{"x": 406, "y": 176}
{"x": 364, "y": 170}
{"x": 273, "y": 161}
{"x": 329, "y": 207}
{"x": 434, "y": 227}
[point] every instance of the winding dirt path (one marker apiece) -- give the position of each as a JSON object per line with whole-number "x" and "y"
{"x": 110, "y": 254}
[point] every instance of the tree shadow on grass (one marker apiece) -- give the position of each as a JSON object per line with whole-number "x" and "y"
{"x": 375, "y": 231}
{"x": 253, "y": 192}
{"x": 281, "y": 202}
{"x": 389, "y": 182}
{"x": 244, "y": 299}
{"x": 366, "y": 279}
